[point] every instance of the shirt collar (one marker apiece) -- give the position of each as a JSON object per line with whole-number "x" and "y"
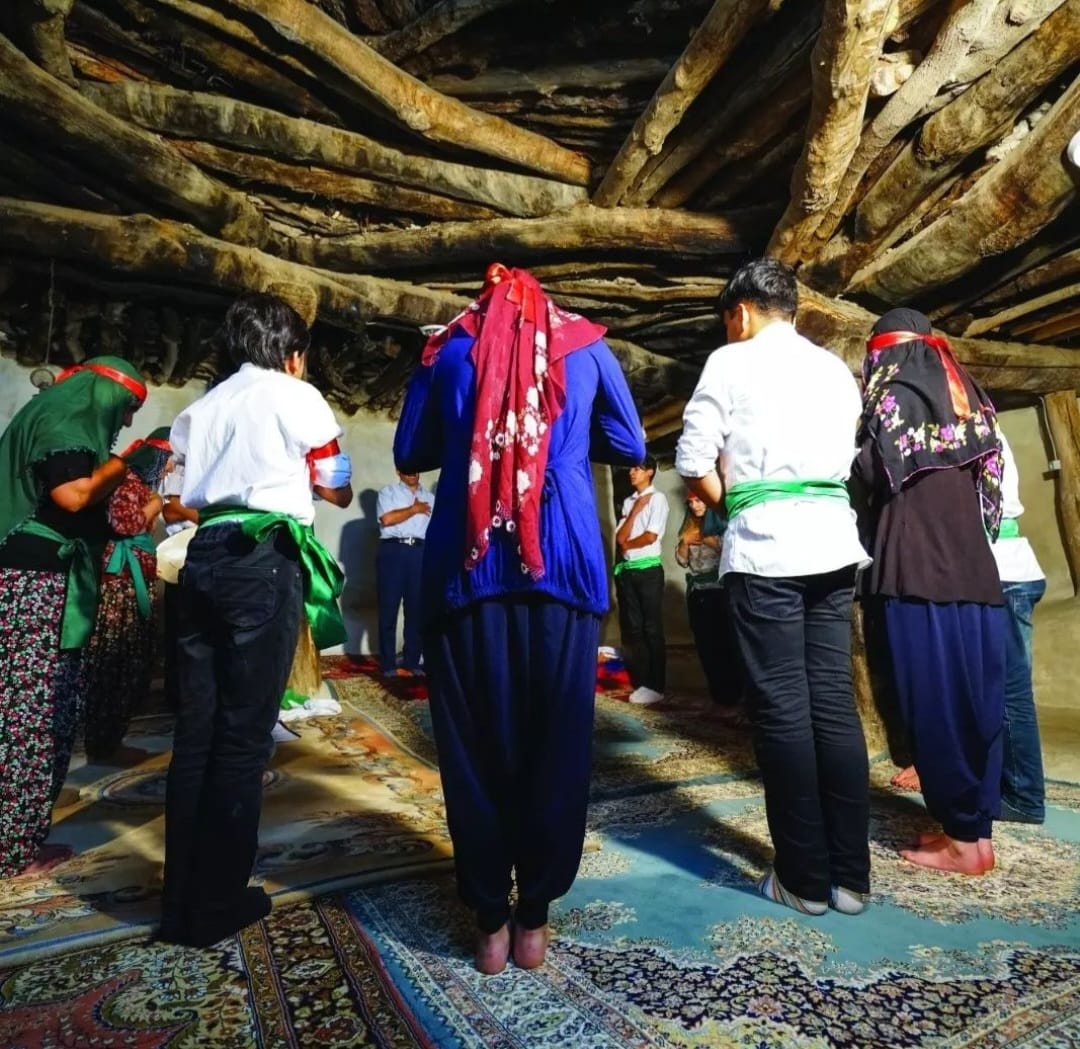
{"x": 648, "y": 491}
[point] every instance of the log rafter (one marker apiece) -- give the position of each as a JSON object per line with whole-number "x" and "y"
{"x": 711, "y": 45}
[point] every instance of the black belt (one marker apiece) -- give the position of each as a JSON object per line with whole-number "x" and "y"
{"x": 407, "y": 542}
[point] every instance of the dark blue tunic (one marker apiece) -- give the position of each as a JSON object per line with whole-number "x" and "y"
{"x": 599, "y": 422}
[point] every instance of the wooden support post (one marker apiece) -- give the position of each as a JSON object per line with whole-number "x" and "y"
{"x": 1063, "y": 421}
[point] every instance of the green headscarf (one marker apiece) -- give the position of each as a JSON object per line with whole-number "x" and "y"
{"x": 82, "y": 411}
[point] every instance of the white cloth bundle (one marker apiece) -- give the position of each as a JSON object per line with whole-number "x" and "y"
{"x": 335, "y": 471}
{"x": 171, "y": 555}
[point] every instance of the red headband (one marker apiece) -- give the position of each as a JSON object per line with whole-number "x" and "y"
{"x": 887, "y": 339}
{"x": 961, "y": 403}
{"x": 153, "y": 442}
{"x": 133, "y": 386}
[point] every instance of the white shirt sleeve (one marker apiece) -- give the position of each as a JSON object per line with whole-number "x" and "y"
{"x": 706, "y": 421}
{"x": 178, "y": 436}
{"x": 310, "y": 422}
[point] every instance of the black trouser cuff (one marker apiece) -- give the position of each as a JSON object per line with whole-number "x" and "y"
{"x": 531, "y": 915}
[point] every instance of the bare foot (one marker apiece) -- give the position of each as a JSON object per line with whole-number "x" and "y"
{"x": 49, "y": 856}
{"x": 907, "y": 779}
{"x": 947, "y": 854}
{"x": 530, "y": 947}
{"x": 492, "y": 951}
{"x": 985, "y": 846}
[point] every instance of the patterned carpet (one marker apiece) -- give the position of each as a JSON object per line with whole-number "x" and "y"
{"x": 343, "y": 803}
{"x": 659, "y": 944}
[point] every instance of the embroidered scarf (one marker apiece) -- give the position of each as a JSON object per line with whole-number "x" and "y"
{"x": 923, "y": 410}
{"x": 522, "y": 340}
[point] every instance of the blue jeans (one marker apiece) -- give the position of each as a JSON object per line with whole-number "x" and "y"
{"x": 1023, "y": 795}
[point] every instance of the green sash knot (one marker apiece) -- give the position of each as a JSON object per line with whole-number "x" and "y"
{"x": 324, "y": 580}
{"x": 745, "y": 494}
{"x": 81, "y": 592}
{"x": 1010, "y": 528}
{"x": 123, "y": 556}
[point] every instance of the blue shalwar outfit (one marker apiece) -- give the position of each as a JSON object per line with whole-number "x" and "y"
{"x": 930, "y": 472}
{"x": 511, "y": 660}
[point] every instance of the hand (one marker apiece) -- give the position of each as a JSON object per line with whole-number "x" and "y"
{"x": 639, "y": 504}
{"x": 420, "y": 506}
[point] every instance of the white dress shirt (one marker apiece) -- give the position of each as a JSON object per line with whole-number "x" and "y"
{"x": 244, "y": 443}
{"x": 1016, "y": 560}
{"x": 777, "y": 407}
{"x": 400, "y": 497}
{"x": 652, "y": 519}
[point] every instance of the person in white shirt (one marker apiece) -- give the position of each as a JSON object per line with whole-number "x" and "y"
{"x": 1023, "y": 790}
{"x": 178, "y": 518}
{"x": 780, "y": 414}
{"x": 639, "y": 584}
{"x": 254, "y": 450}
{"x": 403, "y": 510}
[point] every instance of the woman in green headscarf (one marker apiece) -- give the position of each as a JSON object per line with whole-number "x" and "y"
{"x": 118, "y": 658}
{"x": 55, "y": 473}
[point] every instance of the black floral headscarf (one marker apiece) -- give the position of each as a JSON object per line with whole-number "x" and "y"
{"x": 923, "y": 410}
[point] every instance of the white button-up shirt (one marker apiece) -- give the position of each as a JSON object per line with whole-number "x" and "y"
{"x": 244, "y": 443}
{"x": 777, "y": 407}
{"x": 652, "y": 519}
{"x": 400, "y": 497}
{"x": 1016, "y": 560}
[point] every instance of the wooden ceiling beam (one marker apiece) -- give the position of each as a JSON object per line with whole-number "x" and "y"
{"x": 152, "y": 249}
{"x": 843, "y": 62}
{"x": 68, "y": 120}
{"x": 980, "y": 325}
{"x": 712, "y": 44}
{"x": 436, "y": 23}
{"x": 519, "y": 241}
{"x": 43, "y": 23}
{"x": 1016, "y": 198}
{"x": 415, "y": 106}
{"x": 952, "y": 135}
{"x": 208, "y": 117}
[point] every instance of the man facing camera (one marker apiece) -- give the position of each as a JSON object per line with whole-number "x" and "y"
{"x": 403, "y": 510}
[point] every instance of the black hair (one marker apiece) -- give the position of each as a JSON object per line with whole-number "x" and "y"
{"x": 264, "y": 331}
{"x": 767, "y": 284}
{"x": 648, "y": 463}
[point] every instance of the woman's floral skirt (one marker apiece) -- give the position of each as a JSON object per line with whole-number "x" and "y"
{"x": 40, "y": 689}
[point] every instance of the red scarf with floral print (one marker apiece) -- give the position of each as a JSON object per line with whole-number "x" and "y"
{"x": 522, "y": 340}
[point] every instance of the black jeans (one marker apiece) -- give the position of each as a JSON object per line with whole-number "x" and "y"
{"x": 795, "y": 638}
{"x": 714, "y": 639}
{"x": 239, "y": 612}
{"x": 640, "y": 593}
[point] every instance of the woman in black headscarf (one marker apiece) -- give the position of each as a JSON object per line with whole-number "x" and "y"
{"x": 929, "y": 466}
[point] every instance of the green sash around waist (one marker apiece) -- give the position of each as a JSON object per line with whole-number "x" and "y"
{"x": 745, "y": 494}
{"x": 1010, "y": 528}
{"x": 323, "y": 578}
{"x": 81, "y": 592}
{"x": 641, "y": 562}
{"x": 123, "y": 556}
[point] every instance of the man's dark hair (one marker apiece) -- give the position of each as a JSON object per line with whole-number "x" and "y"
{"x": 648, "y": 463}
{"x": 263, "y": 330}
{"x": 766, "y": 284}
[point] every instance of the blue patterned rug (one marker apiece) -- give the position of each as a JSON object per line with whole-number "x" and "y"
{"x": 661, "y": 942}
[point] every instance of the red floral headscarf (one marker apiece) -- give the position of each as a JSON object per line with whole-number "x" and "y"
{"x": 522, "y": 340}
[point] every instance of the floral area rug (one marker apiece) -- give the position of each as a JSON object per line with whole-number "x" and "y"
{"x": 660, "y": 943}
{"x": 343, "y": 803}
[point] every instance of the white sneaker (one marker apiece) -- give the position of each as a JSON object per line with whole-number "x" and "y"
{"x": 645, "y": 697}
